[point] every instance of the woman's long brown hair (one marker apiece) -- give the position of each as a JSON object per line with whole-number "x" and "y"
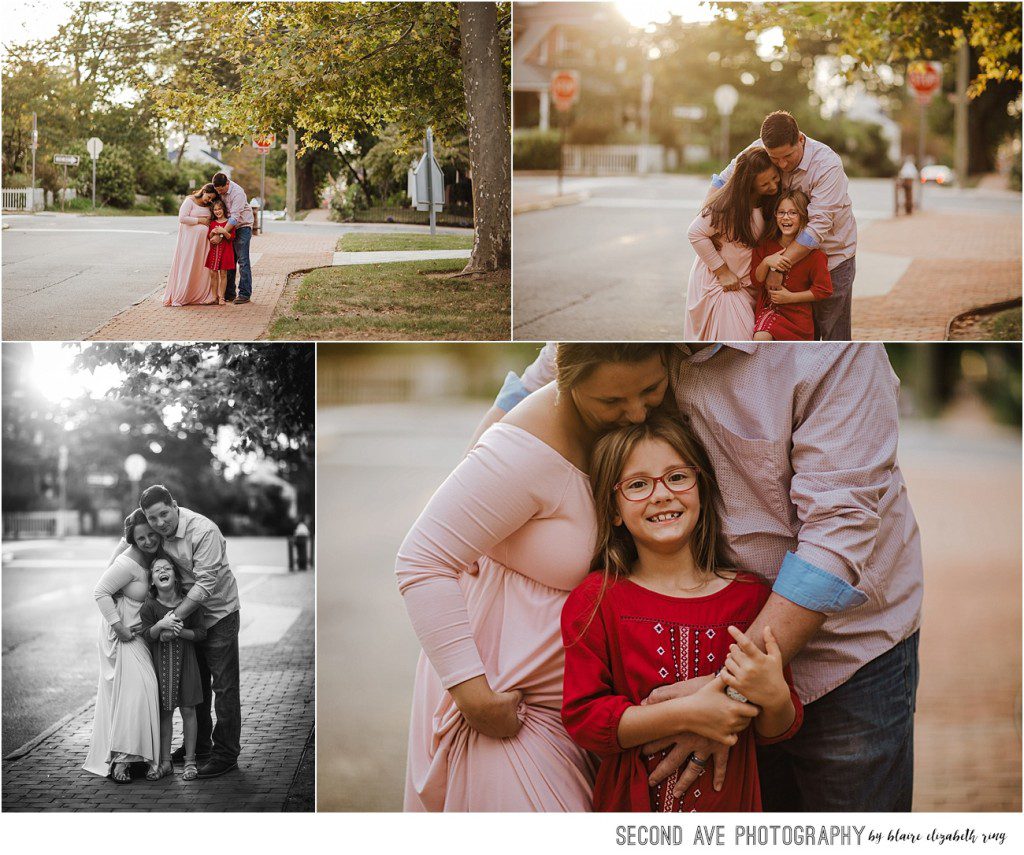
{"x": 198, "y": 196}
{"x": 730, "y": 207}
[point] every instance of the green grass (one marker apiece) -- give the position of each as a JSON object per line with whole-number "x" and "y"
{"x": 397, "y": 241}
{"x": 998, "y": 326}
{"x": 398, "y": 301}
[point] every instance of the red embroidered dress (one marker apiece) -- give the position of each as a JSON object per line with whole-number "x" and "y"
{"x": 638, "y": 640}
{"x": 222, "y": 255}
{"x": 792, "y": 321}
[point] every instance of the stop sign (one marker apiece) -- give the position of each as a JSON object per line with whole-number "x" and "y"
{"x": 924, "y": 79}
{"x": 565, "y": 88}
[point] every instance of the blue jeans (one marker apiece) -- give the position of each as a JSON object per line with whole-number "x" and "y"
{"x": 832, "y": 320}
{"x": 855, "y": 750}
{"x": 243, "y": 235}
{"x": 219, "y": 672}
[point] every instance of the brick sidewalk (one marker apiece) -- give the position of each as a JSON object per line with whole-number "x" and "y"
{"x": 276, "y": 255}
{"x": 961, "y": 262}
{"x": 277, "y": 685}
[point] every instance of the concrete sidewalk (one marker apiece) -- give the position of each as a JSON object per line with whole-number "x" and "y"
{"x": 277, "y": 684}
{"x": 947, "y": 264}
{"x": 273, "y": 257}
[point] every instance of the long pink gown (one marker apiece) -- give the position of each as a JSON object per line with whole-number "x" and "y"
{"x": 188, "y": 281}
{"x": 484, "y": 573}
{"x": 713, "y": 314}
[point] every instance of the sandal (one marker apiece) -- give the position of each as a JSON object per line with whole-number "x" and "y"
{"x": 121, "y": 773}
{"x": 159, "y": 771}
{"x": 191, "y": 770}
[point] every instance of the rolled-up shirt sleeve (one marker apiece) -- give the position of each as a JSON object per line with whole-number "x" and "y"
{"x": 537, "y": 375}
{"x": 208, "y": 562}
{"x": 491, "y": 494}
{"x": 826, "y": 198}
{"x": 114, "y": 579}
{"x": 843, "y": 457}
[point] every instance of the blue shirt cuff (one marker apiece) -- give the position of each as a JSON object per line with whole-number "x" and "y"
{"x": 809, "y": 586}
{"x": 805, "y": 238}
{"x": 512, "y": 392}
{"x": 717, "y": 181}
{"x": 232, "y": 221}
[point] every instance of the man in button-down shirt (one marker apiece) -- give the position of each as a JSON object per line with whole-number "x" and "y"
{"x": 803, "y": 441}
{"x": 199, "y": 551}
{"x": 240, "y": 218}
{"x": 816, "y": 169}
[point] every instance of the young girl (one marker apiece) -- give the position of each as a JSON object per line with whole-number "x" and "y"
{"x": 784, "y": 299}
{"x": 719, "y": 296}
{"x": 664, "y": 609}
{"x": 175, "y": 659}
{"x": 221, "y": 256}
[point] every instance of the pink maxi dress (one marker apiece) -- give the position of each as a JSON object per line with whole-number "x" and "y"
{"x": 711, "y": 313}
{"x": 189, "y": 281}
{"x": 484, "y": 573}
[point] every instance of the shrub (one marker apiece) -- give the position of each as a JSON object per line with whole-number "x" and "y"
{"x": 532, "y": 149}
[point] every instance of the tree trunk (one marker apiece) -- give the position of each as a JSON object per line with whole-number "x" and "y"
{"x": 489, "y": 143}
{"x": 304, "y": 176}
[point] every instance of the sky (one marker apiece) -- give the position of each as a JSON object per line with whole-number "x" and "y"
{"x": 31, "y": 20}
{"x": 640, "y": 13}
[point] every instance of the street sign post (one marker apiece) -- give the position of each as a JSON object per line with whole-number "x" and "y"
{"x": 263, "y": 143}
{"x": 726, "y": 98}
{"x": 924, "y": 79}
{"x": 35, "y": 145}
{"x": 564, "y": 90}
{"x": 94, "y": 147}
{"x": 429, "y": 182}
{"x": 65, "y": 160}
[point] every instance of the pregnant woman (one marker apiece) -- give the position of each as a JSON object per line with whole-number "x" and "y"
{"x": 485, "y": 571}
{"x": 188, "y": 281}
{"x": 126, "y": 728}
{"x": 720, "y": 299}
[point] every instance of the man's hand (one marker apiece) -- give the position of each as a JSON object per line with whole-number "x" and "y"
{"x": 682, "y": 747}
{"x": 488, "y": 712}
{"x": 682, "y": 689}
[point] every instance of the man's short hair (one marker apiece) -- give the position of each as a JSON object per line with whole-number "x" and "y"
{"x": 220, "y": 179}
{"x": 777, "y": 129}
{"x": 154, "y": 495}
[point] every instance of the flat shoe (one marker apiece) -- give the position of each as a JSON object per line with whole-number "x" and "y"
{"x": 191, "y": 771}
{"x": 126, "y": 773}
{"x": 160, "y": 771}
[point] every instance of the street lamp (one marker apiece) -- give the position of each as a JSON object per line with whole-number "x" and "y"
{"x": 135, "y": 468}
{"x": 726, "y": 97}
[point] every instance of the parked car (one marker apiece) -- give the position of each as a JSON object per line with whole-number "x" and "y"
{"x": 937, "y": 173}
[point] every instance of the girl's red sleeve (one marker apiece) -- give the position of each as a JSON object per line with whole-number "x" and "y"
{"x": 759, "y": 254}
{"x": 821, "y": 285}
{"x": 591, "y": 708}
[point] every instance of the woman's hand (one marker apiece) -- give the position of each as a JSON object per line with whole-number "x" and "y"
{"x": 122, "y": 632}
{"x": 204, "y": 221}
{"x": 778, "y": 261}
{"x": 488, "y": 712}
{"x": 756, "y": 675}
{"x": 727, "y": 279}
{"x": 712, "y": 713}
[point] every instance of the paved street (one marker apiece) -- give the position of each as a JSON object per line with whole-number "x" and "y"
{"x": 379, "y": 464}
{"x": 49, "y": 681}
{"x": 615, "y": 265}
{"x": 65, "y": 275}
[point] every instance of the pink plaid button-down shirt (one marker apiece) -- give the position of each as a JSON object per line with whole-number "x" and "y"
{"x": 803, "y": 440}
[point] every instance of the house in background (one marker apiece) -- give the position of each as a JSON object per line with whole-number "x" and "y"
{"x": 198, "y": 150}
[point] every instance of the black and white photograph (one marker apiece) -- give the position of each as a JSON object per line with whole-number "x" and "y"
{"x": 158, "y": 521}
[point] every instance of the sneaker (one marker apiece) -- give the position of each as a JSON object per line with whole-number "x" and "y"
{"x": 217, "y": 766}
{"x": 238, "y": 302}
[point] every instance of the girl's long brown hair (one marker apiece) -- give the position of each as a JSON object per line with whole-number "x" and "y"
{"x": 730, "y": 207}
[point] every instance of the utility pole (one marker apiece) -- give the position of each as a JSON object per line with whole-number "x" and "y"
{"x": 291, "y": 191}
{"x": 35, "y": 145}
{"x": 430, "y": 180}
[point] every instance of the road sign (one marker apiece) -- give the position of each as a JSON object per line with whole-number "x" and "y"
{"x": 690, "y": 114}
{"x": 924, "y": 79}
{"x": 94, "y": 147}
{"x": 565, "y": 88}
{"x": 263, "y": 143}
{"x": 66, "y": 159}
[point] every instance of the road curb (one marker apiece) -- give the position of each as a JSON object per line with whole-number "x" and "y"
{"x": 987, "y": 309}
{"x": 20, "y": 752}
{"x": 548, "y": 204}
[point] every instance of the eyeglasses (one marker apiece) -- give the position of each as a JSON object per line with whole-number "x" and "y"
{"x": 641, "y": 488}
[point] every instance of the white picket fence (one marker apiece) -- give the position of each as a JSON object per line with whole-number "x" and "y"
{"x": 33, "y": 524}
{"x": 613, "y": 159}
{"x": 21, "y": 199}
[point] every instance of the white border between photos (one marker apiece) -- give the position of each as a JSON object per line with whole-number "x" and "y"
{"x": 516, "y": 834}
